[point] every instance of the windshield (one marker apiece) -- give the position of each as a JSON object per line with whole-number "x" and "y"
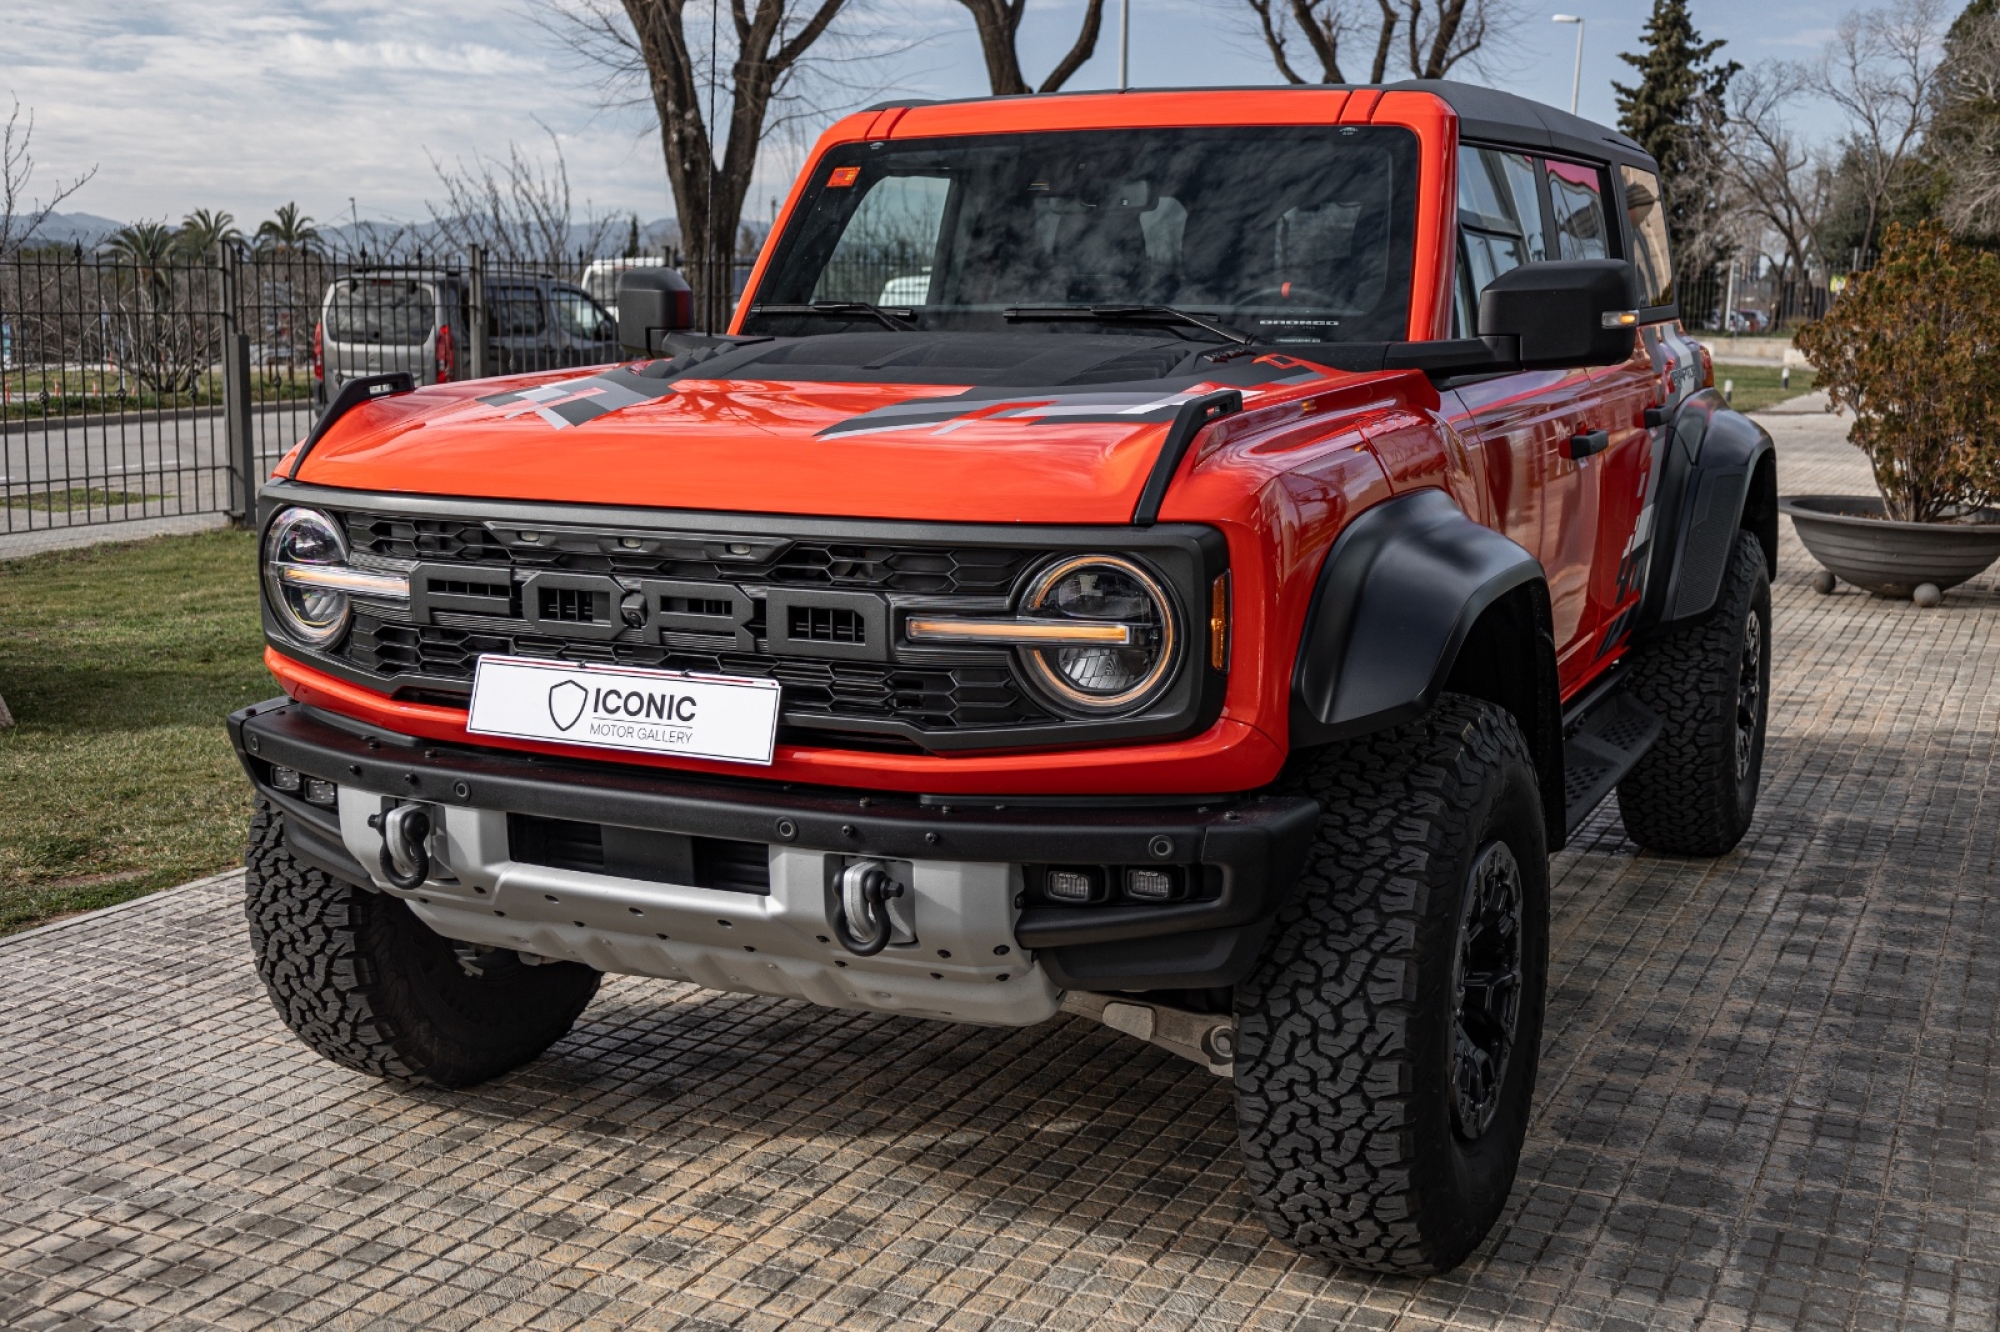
{"x": 1289, "y": 234}
{"x": 394, "y": 311}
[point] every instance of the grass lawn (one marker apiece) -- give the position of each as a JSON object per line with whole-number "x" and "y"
{"x": 1757, "y": 385}
{"x": 119, "y": 663}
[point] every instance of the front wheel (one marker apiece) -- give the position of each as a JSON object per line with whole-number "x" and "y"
{"x": 1388, "y": 1038}
{"x": 363, "y": 982}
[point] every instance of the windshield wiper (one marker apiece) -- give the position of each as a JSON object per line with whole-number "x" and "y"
{"x": 1164, "y": 314}
{"x": 837, "y": 309}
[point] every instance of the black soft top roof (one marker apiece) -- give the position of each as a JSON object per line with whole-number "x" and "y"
{"x": 1494, "y": 116}
{"x": 1485, "y": 114}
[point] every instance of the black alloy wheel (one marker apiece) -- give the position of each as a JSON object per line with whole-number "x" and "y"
{"x": 1486, "y": 985}
{"x": 1749, "y": 697}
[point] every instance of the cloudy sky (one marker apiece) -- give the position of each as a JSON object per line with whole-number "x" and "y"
{"x": 245, "y": 104}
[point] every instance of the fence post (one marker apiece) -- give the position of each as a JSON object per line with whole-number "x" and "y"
{"x": 236, "y": 395}
{"x": 475, "y": 333}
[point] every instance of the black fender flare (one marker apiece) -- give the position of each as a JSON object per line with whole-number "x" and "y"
{"x": 1400, "y": 590}
{"x": 1719, "y": 476}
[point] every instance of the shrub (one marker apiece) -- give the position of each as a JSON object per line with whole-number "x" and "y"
{"x": 1912, "y": 348}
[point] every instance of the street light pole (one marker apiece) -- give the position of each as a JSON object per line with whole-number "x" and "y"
{"x": 1124, "y": 43}
{"x": 1576, "y": 78}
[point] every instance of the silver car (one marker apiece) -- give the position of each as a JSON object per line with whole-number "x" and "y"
{"x": 377, "y": 321}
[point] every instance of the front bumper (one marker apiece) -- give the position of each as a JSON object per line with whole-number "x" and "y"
{"x": 966, "y": 860}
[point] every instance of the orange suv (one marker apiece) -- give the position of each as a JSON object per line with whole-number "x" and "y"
{"x": 1181, "y": 558}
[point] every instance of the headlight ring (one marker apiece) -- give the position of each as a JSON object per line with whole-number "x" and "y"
{"x": 1095, "y": 679}
{"x": 305, "y": 556}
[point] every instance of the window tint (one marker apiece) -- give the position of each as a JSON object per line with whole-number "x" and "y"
{"x": 1646, "y": 214}
{"x": 516, "y": 312}
{"x": 581, "y": 317}
{"x": 1499, "y": 224}
{"x": 383, "y": 311}
{"x": 1295, "y": 234}
{"x": 886, "y": 250}
{"x": 1576, "y": 194}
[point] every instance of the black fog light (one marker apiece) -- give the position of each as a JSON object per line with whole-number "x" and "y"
{"x": 1079, "y": 885}
{"x": 1153, "y": 883}
{"x": 320, "y": 791}
{"x": 285, "y": 779}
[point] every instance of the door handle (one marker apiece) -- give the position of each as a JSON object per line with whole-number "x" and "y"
{"x": 1583, "y": 445}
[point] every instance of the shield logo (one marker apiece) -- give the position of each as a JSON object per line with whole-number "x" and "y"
{"x": 566, "y": 702}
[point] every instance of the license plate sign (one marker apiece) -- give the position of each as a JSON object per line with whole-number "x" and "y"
{"x": 620, "y": 707}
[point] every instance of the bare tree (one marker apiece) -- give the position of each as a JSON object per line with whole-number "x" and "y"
{"x": 999, "y": 24}
{"x": 1424, "y": 38}
{"x": 1968, "y": 125}
{"x": 1779, "y": 182}
{"x": 519, "y": 209}
{"x": 1881, "y": 71}
{"x": 679, "y": 55}
{"x": 20, "y": 217}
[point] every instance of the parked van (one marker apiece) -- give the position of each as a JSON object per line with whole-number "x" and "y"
{"x": 600, "y": 279}
{"x": 418, "y": 320}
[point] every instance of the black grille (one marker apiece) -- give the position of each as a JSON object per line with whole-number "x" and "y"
{"x": 639, "y": 853}
{"x": 933, "y": 698}
{"x": 569, "y": 606}
{"x": 826, "y": 624}
{"x": 939, "y": 570}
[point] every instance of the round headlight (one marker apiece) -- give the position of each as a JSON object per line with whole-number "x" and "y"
{"x": 305, "y": 538}
{"x": 1103, "y": 677}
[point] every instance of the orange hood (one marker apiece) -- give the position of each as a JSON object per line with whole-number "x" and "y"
{"x": 611, "y": 436}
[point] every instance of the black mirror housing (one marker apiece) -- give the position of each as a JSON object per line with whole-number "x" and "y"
{"x": 652, "y": 302}
{"x": 1569, "y": 312}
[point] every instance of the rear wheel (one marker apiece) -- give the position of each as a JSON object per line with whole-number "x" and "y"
{"x": 1387, "y": 1040}
{"x": 1694, "y": 792}
{"x": 361, "y": 980}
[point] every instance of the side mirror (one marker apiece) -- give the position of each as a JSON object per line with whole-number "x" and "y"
{"x": 1570, "y": 312}
{"x": 652, "y": 302}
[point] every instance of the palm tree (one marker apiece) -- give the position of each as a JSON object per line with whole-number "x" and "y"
{"x": 288, "y": 232}
{"x": 163, "y": 342}
{"x": 150, "y": 247}
{"x": 204, "y": 229}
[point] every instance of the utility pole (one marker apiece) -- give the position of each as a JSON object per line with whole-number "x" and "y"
{"x": 1576, "y": 77}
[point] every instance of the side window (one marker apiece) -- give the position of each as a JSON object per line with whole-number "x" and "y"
{"x": 885, "y": 251}
{"x": 1499, "y": 225}
{"x": 1646, "y": 218}
{"x": 516, "y": 312}
{"x": 1577, "y": 195}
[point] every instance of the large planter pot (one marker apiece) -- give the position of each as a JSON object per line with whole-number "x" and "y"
{"x": 1849, "y": 535}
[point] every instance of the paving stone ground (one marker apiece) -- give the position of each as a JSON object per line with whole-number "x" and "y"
{"x": 1768, "y": 1100}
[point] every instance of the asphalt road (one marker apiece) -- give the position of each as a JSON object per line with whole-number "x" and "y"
{"x": 139, "y": 466}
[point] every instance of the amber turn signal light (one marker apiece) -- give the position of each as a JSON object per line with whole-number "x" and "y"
{"x": 1218, "y": 623}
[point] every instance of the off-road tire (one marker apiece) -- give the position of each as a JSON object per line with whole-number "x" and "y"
{"x": 1687, "y": 797}
{"x": 1346, "y": 1027}
{"x": 362, "y": 981}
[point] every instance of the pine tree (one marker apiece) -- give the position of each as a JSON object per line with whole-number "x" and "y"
{"x": 1677, "y": 113}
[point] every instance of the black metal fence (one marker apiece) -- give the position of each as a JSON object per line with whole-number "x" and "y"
{"x": 137, "y": 386}
{"x": 1747, "y": 298}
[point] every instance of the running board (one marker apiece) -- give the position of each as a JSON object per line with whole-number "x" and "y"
{"x": 1600, "y": 749}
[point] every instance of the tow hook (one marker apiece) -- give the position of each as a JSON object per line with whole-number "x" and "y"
{"x": 861, "y": 918}
{"x": 406, "y": 837}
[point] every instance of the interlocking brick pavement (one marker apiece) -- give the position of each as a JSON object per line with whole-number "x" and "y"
{"x": 1768, "y": 1100}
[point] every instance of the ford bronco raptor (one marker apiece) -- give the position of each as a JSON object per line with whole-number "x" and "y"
{"x": 1183, "y": 558}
